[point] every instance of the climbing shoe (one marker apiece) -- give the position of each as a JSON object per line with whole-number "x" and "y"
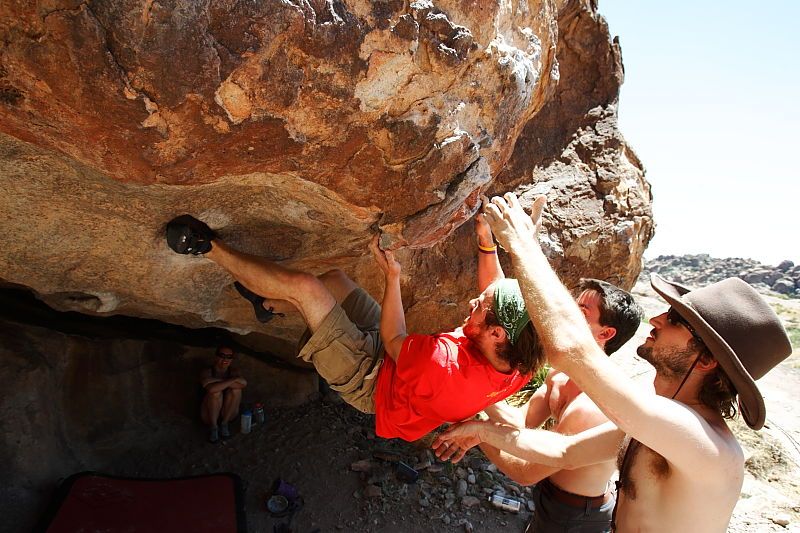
{"x": 187, "y": 235}
{"x": 262, "y": 315}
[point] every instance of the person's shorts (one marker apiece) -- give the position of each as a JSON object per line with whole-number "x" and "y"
{"x": 553, "y": 516}
{"x": 347, "y": 350}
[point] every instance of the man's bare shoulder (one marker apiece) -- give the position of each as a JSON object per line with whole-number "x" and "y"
{"x": 709, "y": 448}
{"x": 729, "y": 449}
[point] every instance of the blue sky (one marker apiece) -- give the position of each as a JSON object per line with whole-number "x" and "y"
{"x": 711, "y": 104}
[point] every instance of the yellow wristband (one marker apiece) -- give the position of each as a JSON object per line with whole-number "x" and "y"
{"x": 487, "y": 248}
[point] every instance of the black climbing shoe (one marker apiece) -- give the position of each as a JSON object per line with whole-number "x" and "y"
{"x": 187, "y": 235}
{"x": 262, "y": 315}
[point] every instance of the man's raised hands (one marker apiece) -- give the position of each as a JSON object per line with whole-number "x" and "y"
{"x": 509, "y": 222}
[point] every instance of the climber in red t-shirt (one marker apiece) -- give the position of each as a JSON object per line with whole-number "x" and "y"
{"x": 427, "y": 380}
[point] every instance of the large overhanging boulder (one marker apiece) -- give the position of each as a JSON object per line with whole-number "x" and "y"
{"x": 298, "y": 129}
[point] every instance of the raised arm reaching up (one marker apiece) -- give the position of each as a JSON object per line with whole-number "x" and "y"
{"x": 489, "y": 268}
{"x": 393, "y": 317}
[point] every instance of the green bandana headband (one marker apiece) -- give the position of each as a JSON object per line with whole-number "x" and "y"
{"x": 509, "y": 307}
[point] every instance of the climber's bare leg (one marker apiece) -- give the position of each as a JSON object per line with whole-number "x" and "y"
{"x": 336, "y": 281}
{"x": 301, "y": 290}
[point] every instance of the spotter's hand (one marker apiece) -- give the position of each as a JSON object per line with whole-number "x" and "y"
{"x": 454, "y": 443}
{"x": 509, "y": 222}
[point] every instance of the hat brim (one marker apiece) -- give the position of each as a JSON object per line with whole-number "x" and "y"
{"x": 751, "y": 402}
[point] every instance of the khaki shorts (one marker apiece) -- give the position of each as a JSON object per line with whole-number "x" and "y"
{"x": 347, "y": 350}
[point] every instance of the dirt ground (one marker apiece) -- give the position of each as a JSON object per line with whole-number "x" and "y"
{"x": 316, "y": 447}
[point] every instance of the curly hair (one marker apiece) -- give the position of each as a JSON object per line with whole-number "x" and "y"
{"x": 527, "y": 354}
{"x": 717, "y": 390}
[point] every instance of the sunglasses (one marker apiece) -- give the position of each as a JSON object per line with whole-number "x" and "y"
{"x": 676, "y": 319}
{"x": 225, "y": 356}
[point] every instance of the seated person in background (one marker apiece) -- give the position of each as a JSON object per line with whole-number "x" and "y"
{"x": 426, "y": 380}
{"x": 566, "y": 499}
{"x": 223, "y": 386}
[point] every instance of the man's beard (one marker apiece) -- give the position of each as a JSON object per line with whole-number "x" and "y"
{"x": 669, "y": 363}
{"x": 471, "y": 331}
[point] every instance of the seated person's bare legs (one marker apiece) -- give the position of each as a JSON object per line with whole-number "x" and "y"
{"x": 211, "y": 408}
{"x": 312, "y": 296}
{"x": 223, "y": 384}
{"x": 231, "y": 399}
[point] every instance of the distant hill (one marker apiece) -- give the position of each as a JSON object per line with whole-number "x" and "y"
{"x": 702, "y": 269}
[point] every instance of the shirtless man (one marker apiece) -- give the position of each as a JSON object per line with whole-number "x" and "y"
{"x": 566, "y": 500}
{"x": 681, "y": 467}
{"x": 223, "y": 384}
{"x": 426, "y": 380}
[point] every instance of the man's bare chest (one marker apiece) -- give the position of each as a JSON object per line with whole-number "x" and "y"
{"x": 641, "y": 469}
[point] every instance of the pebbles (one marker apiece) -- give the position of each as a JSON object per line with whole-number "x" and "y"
{"x": 470, "y": 501}
{"x": 365, "y": 465}
{"x": 485, "y": 480}
{"x": 442, "y": 492}
{"x": 373, "y": 491}
{"x": 467, "y": 525}
{"x": 781, "y": 519}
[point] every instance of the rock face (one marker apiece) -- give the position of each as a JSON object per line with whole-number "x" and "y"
{"x": 297, "y": 130}
{"x": 599, "y": 220}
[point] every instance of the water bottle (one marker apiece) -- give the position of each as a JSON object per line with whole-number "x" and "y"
{"x": 504, "y": 502}
{"x": 259, "y": 414}
{"x": 247, "y": 420}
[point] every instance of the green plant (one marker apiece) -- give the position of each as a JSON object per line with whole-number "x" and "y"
{"x": 779, "y": 309}
{"x": 525, "y": 393}
{"x": 794, "y": 337}
{"x": 538, "y": 378}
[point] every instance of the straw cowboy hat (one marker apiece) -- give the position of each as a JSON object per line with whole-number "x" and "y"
{"x": 740, "y": 329}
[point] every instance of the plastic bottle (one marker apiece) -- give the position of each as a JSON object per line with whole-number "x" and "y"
{"x": 258, "y": 414}
{"x": 247, "y": 420}
{"x": 504, "y": 502}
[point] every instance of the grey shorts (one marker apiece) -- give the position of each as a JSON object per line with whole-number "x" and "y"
{"x": 347, "y": 350}
{"x": 553, "y": 516}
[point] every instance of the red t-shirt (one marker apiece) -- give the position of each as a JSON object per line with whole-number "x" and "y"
{"x": 437, "y": 378}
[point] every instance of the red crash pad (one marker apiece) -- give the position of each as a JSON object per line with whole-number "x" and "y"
{"x": 89, "y": 502}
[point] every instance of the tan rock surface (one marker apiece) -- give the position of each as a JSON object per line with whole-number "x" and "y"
{"x": 297, "y": 129}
